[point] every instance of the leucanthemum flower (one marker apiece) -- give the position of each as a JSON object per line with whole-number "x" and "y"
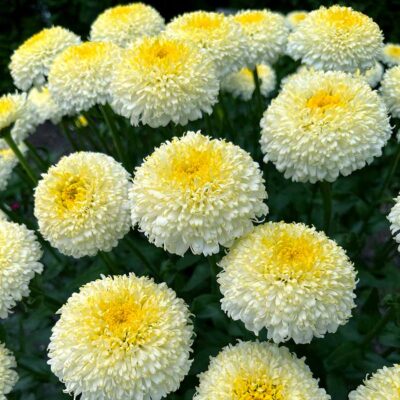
{"x": 82, "y": 204}
{"x": 290, "y": 279}
{"x": 258, "y": 371}
{"x": 45, "y": 108}
{"x": 390, "y": 90}
{"x": 336, "y": 38}
{"x": 162, "y": 80}
{"x": 391, "y": 54}
{"x": 20, "y": 253}
{"x": 8, "y": 161}
{"x": 294, "y": 18}
{"x": 323, "y": 124}
{"x": 8, "y": 376}
{"x": 384, "y": 384}
{"x": 373, "y": 75}
{"x": 266, "y": 33}
{"x": 219, "y": 36}
{"x": 80, "y": 76}
{"x": 197, "y": 193}
{"x": 122, "y": 338}
{"x": 30, "y": 63}
{"x": 241, "y": 84}
{"x": 124, "y": 24}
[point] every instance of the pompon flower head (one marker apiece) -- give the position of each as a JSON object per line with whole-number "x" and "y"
{"x": 384, "y": 384}
{"x": 290, "y": 279}
{"x": 8, "y": 161}
{"x": 323, "y": 124}
{"x": 241, "y": 84}
{"x": 19, "y": 261}
{"x": 391, "y": 54}
{"x": 8, "y": 376}
{"x": 394, "y": 219}
{"x": 164, "y": 80}
{"x": 336, "y": 38}
{"x": 135, "y": 337}
{"x": 373, "y": 75}
{"x": 197, "y": 193}
{"x": 259, "y": 371}
{"x": 11, "y": 108}
{"x": 80, "y": 76}
{"x": 294, "y": 18}
{"x": 31, "y": 62}
{"x": 124, "y": 24}
{"x": 266, "y": 33}
{"x": 390, "y": 90}
{"x": 219, "y": 36}
{"x": 82, "y": 204}
{"x": 45, "y": 108}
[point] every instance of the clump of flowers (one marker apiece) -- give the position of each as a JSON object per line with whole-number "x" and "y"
{"x": 134, "y": 335}
{"x": 252, "y": 370}
{"x": 82, "y": 205}
{"x": 196, "y": 192}
{"x": 323, "y": 124}
{"x": 241, "y": 84}
{"x": 31, "y": 62}
{"x": 19, "y": 262}
{"x": 290, "y": 279}
{"x": 336, "y": 38}
{"x": 219, "y": 36}
{"x": 124, "y": 24}
{"x": 266, "y": 33}
{"x": 162, "y": 80}
{"x": 383, "y": 384}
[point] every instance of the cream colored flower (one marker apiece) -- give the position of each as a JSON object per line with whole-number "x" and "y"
{"x": 8, "y": 161}
{"x": 374, "y": 75}
{"x": 45, "y": 108}
{"x": 384, "y": 384}
{"x": 31, "y": 62}
{"x": 197, "y": 193}
{"x": 80, "y": 76}
{"x": 164, "y": 80}
{"x": 124, "y": 24}
{"x": 266, "y": 33}
{"x": 122, "y": 338}
{"x": 19, "y": 261}
{"x": 290, "y": 279}
{"x": 82, "y": 204}
{"x": 322, "y": 125}
{"x": 336, "y": 38}
{"x": 390, "y": 90}
{"x": 294, "y": 18}
{"x": 219, "y": 36}
{"x": 391, "y": 54}
{"x": 8, "y": 376}
{"x": 258, "y": 371}
{"x": 241, "y": 84}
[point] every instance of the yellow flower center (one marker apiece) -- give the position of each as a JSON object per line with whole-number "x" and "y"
{"x": 393, "y": 51}
{"x": 72, "y": 193}
{"x": 6, "y": 106}
{"x": 85, "y": 51}
{"x": 342, "y": 18}
{"x": 254, "y": 17}
{"x": 124, "y": 13}
{"x": 123, "y": 319}
{"x": 293, "y": 256}
{"x": 204, "y": 22}
{"x": 6, "y": 153}
{"x": 297, "y": 18}
{"x": 194, "y": 169}
{"x": 256, "y": 389}
{"x": 165, "y": 55}
{"x": 324, "y": 100}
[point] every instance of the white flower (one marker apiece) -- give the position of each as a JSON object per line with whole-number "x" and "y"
{"x": 8, "y": 376}
{"x": 390, "y": 90}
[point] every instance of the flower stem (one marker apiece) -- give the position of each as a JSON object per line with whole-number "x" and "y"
{"x": 13, "y": 146}
{"x": 258, "y": 93}
{"x": 326, "y": 191}
{"x": 42, "y": 164}
{"x": 67, "y": 134}
{"x": 109, "y": 263}
{"x": 105, "y": 111}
